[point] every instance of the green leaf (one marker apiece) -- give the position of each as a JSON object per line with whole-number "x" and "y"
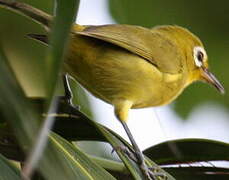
{"x": 111, "y": 165}
{"x": 23, "y": 118}
{"x": 73, "y": 161}
{"x": 188, "y": 150}
{"x": 9, "y": 144}
{"x": 15, "y": 107}
{"x": 8, "y": 170}
{"x": 117, "y": 169}
{"x": 80, "y": 98}
{"x": 199, "y": 173}
{"x": 116, "y": 141}
{"x": 189, "y": 14}
{"x": 184, "y": 151}
{"x": 60, "y": 160}
{"x": 74, "y": 125}
{"x": 63, "y": 19}
{"x": 70, "y": 123}
{"x": 26, "y": 58}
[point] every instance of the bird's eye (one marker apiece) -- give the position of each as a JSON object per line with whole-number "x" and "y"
{"x": 199, "y": 55}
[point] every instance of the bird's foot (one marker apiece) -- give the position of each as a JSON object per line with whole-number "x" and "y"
{"x": 155, "y": 172}
{"x": 151, "y": 173}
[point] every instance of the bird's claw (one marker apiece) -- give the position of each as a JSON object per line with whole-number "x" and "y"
{"x": 151, "y": 173}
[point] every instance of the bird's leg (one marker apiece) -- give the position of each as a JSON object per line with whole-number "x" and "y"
{"x": 122, "y": 107}
{"x": 68, "y": 92}
{"x": 140, "y": 158}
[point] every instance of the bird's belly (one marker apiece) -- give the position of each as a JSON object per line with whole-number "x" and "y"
{"x": 119, "y": 74}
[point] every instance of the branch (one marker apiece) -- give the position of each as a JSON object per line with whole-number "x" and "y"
{"x": 26, "y": 10}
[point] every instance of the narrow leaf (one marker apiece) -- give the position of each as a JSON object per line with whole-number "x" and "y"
{"x": 188, "y": 150}
{"x": 8, "y": 171}
{"x": 199, "y": 173}
{"x": 79, "y": 162}
{"x": 63, "y": 19}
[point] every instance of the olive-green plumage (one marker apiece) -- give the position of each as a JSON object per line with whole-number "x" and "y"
{"x": 131, "y": 66}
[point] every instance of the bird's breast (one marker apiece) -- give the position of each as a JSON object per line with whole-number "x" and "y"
{"x": 161, "y": 92}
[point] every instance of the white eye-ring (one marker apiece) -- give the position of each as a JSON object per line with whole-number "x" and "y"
{"x": 199, "y": 55}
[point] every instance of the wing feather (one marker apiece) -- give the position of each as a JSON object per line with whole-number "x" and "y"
{"x": 151, "y": 45}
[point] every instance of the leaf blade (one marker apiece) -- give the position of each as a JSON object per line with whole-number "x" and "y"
{"x": 8, "y": 170}
{"x": 188, "y": 150}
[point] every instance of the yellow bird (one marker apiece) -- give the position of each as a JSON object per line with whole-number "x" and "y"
{"x": 134, "y": 67}
{"x": 130, "y": 66}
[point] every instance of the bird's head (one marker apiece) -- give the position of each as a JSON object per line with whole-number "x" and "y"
{"x": 200, "y": 70}
{"x": 195, "y": 56}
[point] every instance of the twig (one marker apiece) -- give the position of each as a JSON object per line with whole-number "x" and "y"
{"x": 33, "y": 13}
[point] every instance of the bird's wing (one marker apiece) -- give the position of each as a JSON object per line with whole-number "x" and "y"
{"x": 150, "y": 45}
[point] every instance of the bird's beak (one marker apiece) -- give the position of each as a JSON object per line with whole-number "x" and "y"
{"x": 211, "y": 79}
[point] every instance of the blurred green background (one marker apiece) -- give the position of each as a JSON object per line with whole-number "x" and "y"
{"x": 207, "y": 19}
